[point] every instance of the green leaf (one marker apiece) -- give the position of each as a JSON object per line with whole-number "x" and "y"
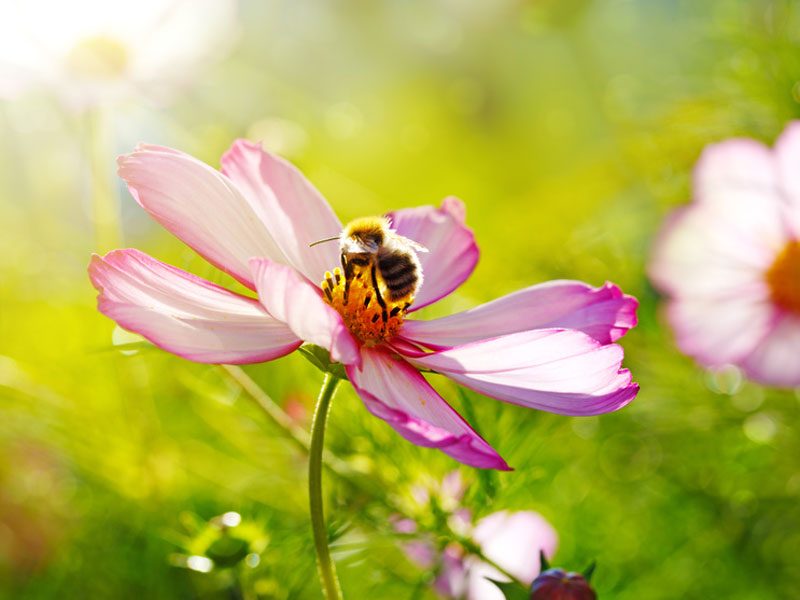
{"x": 321, "y": 358}
{"x": 511, "y": 590}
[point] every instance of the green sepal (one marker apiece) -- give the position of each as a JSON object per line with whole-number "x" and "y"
{"x": 544, "y": 564}
{"x": 589, "y": 571}
{"x": 321, "y": 358}
{"x": 227, "y": 551}
{"x": 511, "y": 590}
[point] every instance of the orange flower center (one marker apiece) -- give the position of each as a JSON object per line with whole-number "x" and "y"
{"x": 783, "y": 278}
{"x": 371, "y": 317}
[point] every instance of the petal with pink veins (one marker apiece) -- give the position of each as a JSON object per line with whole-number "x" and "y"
{"x": 452, "y": 251}
{"x": 604, "y": 313}
{"x": 293, "y": 300}
{"x": 558, "y": 370}
{"x": 396, "y": 392}
{"x": 200, "y": 206}
{"x": 184, "y": 314}
{"x": 297, "y": 213}
{"x": 513, "y": 541}
{"x": 775, "y": 361}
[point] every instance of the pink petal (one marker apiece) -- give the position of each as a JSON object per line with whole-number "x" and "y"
{"x": 452, "y": 488}
{"x": 604, "y": 313}
{"x": 732, "y": 231}
{"x": 421, "y": 553}
{"x": 718, "y": 251}
{"x": 396, "y": 392}
{"x": 200, "y": 206}
{"x": 787, "y": 151}
{"x": 184, "y": 314}
{"x": 776, "y": 360}
{"x": 740, "y": 167}
{"x": 557, "y": 370}
{"x": 297, "y": 303}
{"x": 451, "y": 582}
{"x": 717, "y": 332}
{"x": 513, "y": 541}
{"x": 452, "y": 251}
{"x": 297, "y": 213}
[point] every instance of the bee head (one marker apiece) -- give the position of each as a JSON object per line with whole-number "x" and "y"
{"x": 364, "y": 235}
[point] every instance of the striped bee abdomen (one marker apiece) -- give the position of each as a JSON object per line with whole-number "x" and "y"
{"x": 399, "y": 273}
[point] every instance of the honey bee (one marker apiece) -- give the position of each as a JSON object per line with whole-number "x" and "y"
{"x": 369, "y": 244}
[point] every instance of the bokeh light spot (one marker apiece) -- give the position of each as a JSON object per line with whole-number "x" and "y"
{"x": 760, "y": 427}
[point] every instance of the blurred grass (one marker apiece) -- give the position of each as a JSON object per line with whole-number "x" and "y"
{"x": 570, "y": 129}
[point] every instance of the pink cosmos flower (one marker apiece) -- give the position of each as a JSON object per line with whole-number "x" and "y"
{"x": 548, "y": 346}
{"x": 730, "y": 260}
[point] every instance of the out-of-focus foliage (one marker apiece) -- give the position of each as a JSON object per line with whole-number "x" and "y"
{"x": 570, "y": 129}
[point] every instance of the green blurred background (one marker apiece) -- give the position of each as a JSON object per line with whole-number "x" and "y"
{"x": 569, "y": 128}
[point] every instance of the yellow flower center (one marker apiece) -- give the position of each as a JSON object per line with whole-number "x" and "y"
{"x": 783, "y": 278}
{"x": 371, "y": 317}
{"x": 98, "y": 58}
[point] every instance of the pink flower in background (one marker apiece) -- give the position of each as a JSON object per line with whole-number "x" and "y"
{"x": 512, "y": 540}
{"x": 549, "y": 346}
{"x": 91, "y": 52}
{"x": 730, "y": 261}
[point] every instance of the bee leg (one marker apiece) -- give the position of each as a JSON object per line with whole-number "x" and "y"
{"x": 347, "y": 269}
{"x": 378, "y": 296}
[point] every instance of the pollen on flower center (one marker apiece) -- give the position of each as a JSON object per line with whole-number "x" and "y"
{"x": 98, "y": 57}
{"x": 783, "y": 278}
{"x": 369, "y": 316}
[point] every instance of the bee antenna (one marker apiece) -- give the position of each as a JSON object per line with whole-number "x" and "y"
{"x": 322, "y": 241}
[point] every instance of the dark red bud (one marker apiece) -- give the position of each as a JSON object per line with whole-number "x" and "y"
{"x": 557, "y": 584}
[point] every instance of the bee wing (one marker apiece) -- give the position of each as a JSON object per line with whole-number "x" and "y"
{"x": 410, "y": 243}
{"x": 352, "y": 245}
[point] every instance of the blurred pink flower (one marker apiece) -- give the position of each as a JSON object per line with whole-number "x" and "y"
{"x": 548, "y": 346}
{"x": 91, "y": 52}
{"x": 512, "y": 540}
{"x": 730, "y": 260}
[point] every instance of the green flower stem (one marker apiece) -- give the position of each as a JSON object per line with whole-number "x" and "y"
{"x": 327, "y": 570}
{"x": 336, "y": 465}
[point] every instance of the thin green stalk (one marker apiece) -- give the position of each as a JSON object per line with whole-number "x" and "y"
{"x": 287, "y": 425}
{"x": 475, "y": 550}
{"x": 296, "y": 433}
{"x": 327, "y": 570}
{"x": 105, "y": 200}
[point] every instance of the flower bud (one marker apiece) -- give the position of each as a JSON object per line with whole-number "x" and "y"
{"x": 557, "y": 584}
